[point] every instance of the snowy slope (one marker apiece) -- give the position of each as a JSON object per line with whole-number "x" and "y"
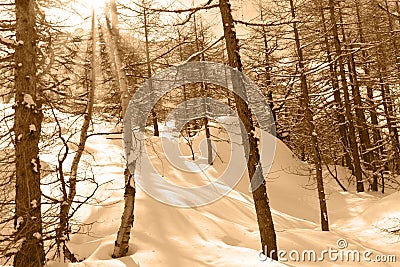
{"x": 225, "y": 232}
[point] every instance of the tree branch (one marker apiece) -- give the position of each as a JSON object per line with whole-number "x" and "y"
{"x": 268, "y": 24}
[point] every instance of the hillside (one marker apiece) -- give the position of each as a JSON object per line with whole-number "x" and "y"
{"x": 225, "y": 232}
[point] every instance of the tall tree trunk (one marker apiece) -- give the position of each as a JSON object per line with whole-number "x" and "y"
{"x": 386, "y": 100}
{"x": 121, "y": 244}
{"x": 149, "y": 72}
{"x": 263, "y": 212}
{"x": 184, "y": 91}
{"x": 115, "y": 47}
{"x": 336, "y": 94}
{"x": 389, "y": 99}
{"x": 27, "y": 127}
{"x": 204, "y": 91}
{"x": 362, "y": 129}
{"x": 393, "y": 36}
{"x": 267, "y": 65}
{"x": 63, "y": 230}
{"x": 308, "y": 116}
{"x": 347, "y": 104}
{"x": 361, "y": 121}
{"x": 373, "y": 153}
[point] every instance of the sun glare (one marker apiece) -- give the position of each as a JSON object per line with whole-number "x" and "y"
{"x": 96, "y": 4}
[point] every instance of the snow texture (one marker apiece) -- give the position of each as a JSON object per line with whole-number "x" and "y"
{"x": 225, "y": 233}
{"x": 35, "y": 166}
{"x": 37, "y": 235}
{"x": 7, "y": 41}
{"x": 34, "y": 203}
{"x": 28, "y": 101}
{"x": 32, "y": 128}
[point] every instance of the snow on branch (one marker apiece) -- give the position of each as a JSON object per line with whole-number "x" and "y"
{"x": 193, "y": 56}
{"x": 10, "y": 43}
{"x": 268, "y": 24}
{"x": 388, "y": 11}
{"x": 192, "y": 10}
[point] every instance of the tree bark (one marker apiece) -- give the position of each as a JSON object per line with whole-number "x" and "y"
{"x": 204, "y": 92}
{"x": 263, "y": 212}
{"x": 267, "y": 66}
{"x": 373, "y": 153}
{"x": 361, "y": 122}
{"x": 27, "y": 127}
{"x": 308, "y": 116}
{"x": 121, "y": 244}
{"x": 336, "y": 94}
{"x": 116, "y": 56}
{"x": 386, "y": 100}
{"x": 347, "y": 104}
{"x": 63, "y": 230}
{"x": 149, "y": 72}
{"x": 389, "y": 99}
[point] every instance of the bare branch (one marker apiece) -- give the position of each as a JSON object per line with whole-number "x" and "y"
{"x": 268, "y": 24}
{"x": 193, "y": 56}
{"x": 192, "y": 10}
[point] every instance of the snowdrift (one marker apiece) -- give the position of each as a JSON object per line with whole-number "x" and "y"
{"x": 225, "y": 232}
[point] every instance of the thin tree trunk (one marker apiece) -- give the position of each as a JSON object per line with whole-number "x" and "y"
{"x": 365, "y": 141}
{"x": 387, "y": 102}
{"x": 310, "y": 126}
{"x": 375, "y": 132}
{"x": 336, "y": 94}
{"x": 389, "y": 99}
{"x": 149, "y": 72}
{"x": 28, "y": 119}
{"x": 184, "y": 91}
{"x": 267, "y": 65}
{"x": 263, "y": 212}
{"x": 121, "y": 245}
{"x": 362, "y": 127}
{"x": 394, "y": 38}
{"x": 63, "y": 231}
{"x": 116, "y": 49}
{"x": 347, "y": 104}
{"x": 204, "y": 91}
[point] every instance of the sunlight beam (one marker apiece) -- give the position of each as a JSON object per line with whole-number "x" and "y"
{"x": 95, "y": 4}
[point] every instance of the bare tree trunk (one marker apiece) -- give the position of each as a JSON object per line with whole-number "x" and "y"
{"x": 121, "y": 245}
{"x": 336, "y": 94}
{"x": 377, "y": 140}
{"x": 267, "y": 65}
{"x": 263, "y": 212}
{"x": 184, "y": 92}
{"x": 63, "y": 230}
{"x": 394, "y": 37}
{"x": 116, "y": 58}
{"x": 149, "y": 72}
{"x": 310, "y": 126}
{"x": 389, "y": 99}
{"x": 28, "y": 119}
{"x": 347, "y": 104}
{"x": 386, "y": 100}
{"x": 204, "y": 90}
{"x": 391, "y": 125}
{"x": 361, "y": 122}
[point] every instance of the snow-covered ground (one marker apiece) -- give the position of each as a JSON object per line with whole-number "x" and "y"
{"x": 225, "y": 232}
